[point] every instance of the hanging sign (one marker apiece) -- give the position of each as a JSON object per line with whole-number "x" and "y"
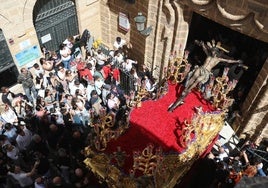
{"x": 124, "y": 22}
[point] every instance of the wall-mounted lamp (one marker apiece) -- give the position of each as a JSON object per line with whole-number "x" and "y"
{"x": 140, "y": 24}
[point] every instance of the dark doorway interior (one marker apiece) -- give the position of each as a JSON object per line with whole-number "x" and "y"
{"x": 9, "y": 77}
{"x": 8, "y": 69}
{"x": 253, "y": 52}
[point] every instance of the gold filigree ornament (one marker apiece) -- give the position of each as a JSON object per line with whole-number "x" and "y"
{"x": 119, "y": 156}
{"x": 185, "y": 138}
{"x": 104, "y": 132}
{"x": 146, "y": 161}
{"x": 141, "y": 94}
{"x": 98, "y": 165}
{"x": 205, "y": 127}
{"x": 220, "y": 92}
{"x": 178, "y": 68}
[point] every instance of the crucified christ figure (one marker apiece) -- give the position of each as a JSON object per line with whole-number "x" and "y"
{"x": 202, "y": 73}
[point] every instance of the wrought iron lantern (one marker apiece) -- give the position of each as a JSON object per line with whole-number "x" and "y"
{"x": 140, "y": 21}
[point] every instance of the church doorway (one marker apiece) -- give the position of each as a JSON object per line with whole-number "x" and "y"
{"x": 251, "y": 51}
{"x": 54, "y": 21}
{"x": 8, "y": 69}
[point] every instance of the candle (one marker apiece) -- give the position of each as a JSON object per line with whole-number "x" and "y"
{"x": 97, "y": 145}
{"x": 96, "y": 129}
{"x": 131, "y": 173}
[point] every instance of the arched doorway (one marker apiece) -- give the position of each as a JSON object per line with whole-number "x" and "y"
{"x": 54, "y": 21}
{"x": 8, "y": 69}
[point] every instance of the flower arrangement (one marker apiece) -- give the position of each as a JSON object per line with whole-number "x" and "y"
{"x": 97, "y": 43}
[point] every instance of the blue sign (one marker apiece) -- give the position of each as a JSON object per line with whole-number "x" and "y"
{"x": 27, "y": 55}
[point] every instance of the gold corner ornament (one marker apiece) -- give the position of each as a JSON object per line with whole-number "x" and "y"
{"x": 178, "y": 68}
{"x": 103, "y": 126}
{"x": 205, "y": 126}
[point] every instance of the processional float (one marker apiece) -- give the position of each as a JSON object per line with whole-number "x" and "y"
{"x": 151, "y": 166}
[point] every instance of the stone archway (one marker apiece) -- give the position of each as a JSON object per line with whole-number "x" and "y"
{"x": 250, "y": 18}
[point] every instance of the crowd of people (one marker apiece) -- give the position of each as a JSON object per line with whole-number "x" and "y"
{"x": 44, "y": 129}
{"x": 225, "y": 167}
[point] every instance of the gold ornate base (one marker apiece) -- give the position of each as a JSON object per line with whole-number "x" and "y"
{"x": 158, "y": 169}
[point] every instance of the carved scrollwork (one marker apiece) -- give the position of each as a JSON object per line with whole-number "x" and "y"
{"x": 201, "y": 2}
{"x": 261, "y": 21}
{"x": 246, "y": 16}
{"x": 234, "y": 13}
{"x": 147, "y": 160}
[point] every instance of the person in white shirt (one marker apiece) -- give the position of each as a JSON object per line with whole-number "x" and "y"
{"x": 118, "y": 58}
{"x": 69, "y": 42}
{"x": 10, "y": 132}
{"x": 40, "y": 183}
{"x": 81, "y": 114}
{"x": 65, "y": 53}
{"x": 148, "y": 84}
{"x": 101, "y": 58}
{"x": 24, "y": 178}
{"x": 93, "y": 62}
{"x": 222, "y": 154}
{"x": 41, "y": 80}
{"x": 89, "y": 89}
{"x": 11, "y": 151}
{"x": 39, "y": 72}
{"x": 113, "y": 102}
{"x": 119, "y": 43}
{"x": 61, "y": 73}
{"x": 24, "y": 138}
{"x": 58, "y": 115}
{"x": 7, "y": 114}
{"x": 128, "y": 64}
{"x": 77, "y": 85}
